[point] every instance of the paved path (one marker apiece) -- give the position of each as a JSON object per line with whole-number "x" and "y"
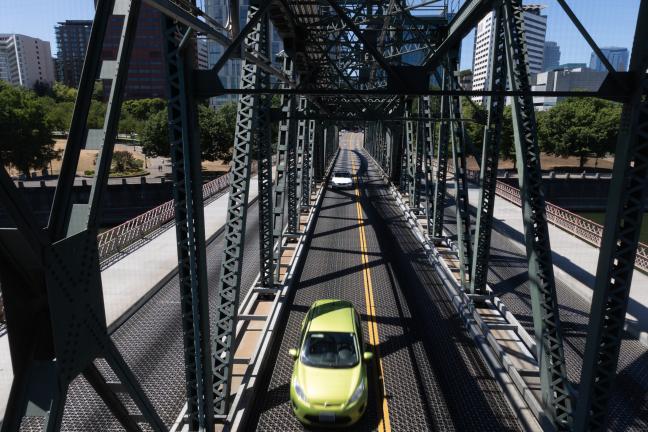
{"x": 575, "y": 263}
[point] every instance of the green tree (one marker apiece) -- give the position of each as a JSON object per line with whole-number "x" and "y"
{"x": 59, "y": 115}
{"x": 580, "y": 127}
{"x": 155, "y": 135}
{"x": 135, "y": 113}
{"x": 63, "y": 93}
{"x": 142, "y": 109}
{"x": 216, "y": 133}
{"x": 25, "y": 135}
{"x": 124, "y": 162}
{"x": 507, "y": 143}
{"x": 474, "y": 128}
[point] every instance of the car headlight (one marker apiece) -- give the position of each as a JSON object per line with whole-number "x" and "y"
{"x": 358, "y": 392}
{"x": 300, "y": 392}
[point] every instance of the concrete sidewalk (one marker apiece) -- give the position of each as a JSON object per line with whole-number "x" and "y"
{"x": 575, "y": 263}
{"x": 130, "y": 279}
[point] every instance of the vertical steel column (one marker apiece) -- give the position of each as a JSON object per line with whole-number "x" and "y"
{"x": 404, "y": 156}
{"x": 190, "y": 229}
{"x": 626, "y": 206}
{"x": 263, "y": 138}
{"x": 318, "y": 160}
{"x": 286, "y": 135}
{"x": 302, "y": 137}
{"x": 389, "y": 143}
{"x": 462, "y": 204}
{"x": 489, "y": 161}
{"x": 428, "y": 142}
{"x": 418, "y": 154}
{"x": 555, "y": 391}
{"x": 410, "y": 159}
{"x": 396, "y": 153}
{"x": 60, "y": 214}
{"x": 292, "y": 161}
{"x": 307, "y": 169}
{"x": 229, "y": 283}
{"x": 441, "y": 162}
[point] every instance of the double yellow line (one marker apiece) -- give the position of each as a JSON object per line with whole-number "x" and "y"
{"x": 374, "y": 340}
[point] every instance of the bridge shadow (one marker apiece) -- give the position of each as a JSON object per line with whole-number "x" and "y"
{"x": 458, "y": 369}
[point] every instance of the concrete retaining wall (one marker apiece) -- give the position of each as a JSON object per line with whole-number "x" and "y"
{"x": 121, "y": 201}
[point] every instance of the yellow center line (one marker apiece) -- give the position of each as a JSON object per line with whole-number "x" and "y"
{"x": 383, "y": 409}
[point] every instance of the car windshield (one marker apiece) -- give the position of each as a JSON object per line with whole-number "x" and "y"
{"x": 343, "y": 174}
{"x": 330, "y": 350}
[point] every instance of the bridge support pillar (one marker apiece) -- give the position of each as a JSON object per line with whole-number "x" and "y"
{"x": 619, "y": 244}
{"x": 439, "y": 202}
{"x": 556, "y": 395}
{"x": 229, "y": 283}
{"x": 458, "y": 143}
{"x": 489, "y": 160}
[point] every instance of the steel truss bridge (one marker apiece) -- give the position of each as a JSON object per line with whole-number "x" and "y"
{"x": 345, "y": 64}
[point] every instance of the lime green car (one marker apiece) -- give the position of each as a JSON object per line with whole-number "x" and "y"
{"x": 329, "y": 381}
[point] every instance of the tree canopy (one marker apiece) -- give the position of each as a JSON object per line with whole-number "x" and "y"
{"x": 580, "y": 126}
{"x": 216, "y": 133}
{"x": 574, "y": 127}
{"x": 25, "y": 134}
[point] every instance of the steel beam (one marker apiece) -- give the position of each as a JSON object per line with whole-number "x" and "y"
{"x": 263, "y": 138}
{"x": 410, "y": 151}
{"x": 229, "y": 283}
{"x": 427, "y": 131}
{"x": 462, "y": 205}
{"x": 556, "y": 395}
{"x": 286, "y": 139}
{"x": 489, "y": 161}
{"x": 625, "y": 211}
{"x": 441, "y": 163}
{"x": 307, "y": 168}
{"x": 190, "y": 227}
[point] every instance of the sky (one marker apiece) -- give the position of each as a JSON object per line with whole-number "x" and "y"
{"x": 610, "y": 22}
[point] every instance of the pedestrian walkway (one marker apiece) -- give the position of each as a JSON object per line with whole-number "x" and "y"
{"x": 129, "y": 282}
{"x": 574, "y": 261}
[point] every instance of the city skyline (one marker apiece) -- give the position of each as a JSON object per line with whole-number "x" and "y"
{"x": 38, "y": 18}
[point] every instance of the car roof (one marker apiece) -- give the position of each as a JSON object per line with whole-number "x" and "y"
{"x": 331, "y": 315}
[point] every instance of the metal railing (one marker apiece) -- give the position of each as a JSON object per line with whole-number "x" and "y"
{"x": 580, "y": 227}
{"x": 122, "y": 236}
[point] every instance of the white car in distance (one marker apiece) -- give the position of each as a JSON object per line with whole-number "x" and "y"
{"x": 341, "y": 180}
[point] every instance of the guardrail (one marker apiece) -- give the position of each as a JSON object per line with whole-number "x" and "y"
{"x": 117, "y": 239}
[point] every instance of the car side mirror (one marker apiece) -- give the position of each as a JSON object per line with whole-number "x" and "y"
{"x": 292, "y": 352}
{"x": 367, "y": 356}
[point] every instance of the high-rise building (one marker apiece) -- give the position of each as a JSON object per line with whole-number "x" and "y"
{"x": 618, "y": 58}
{"x": 230, "y": 74}
{"x": 466, "y": 79}
{"x": 551, "y": 56}
{"x": 535, "y": 28}
{"x": 146, "y": 73}
{"x": 72, "y": 38}
{"x": 202, "y": 53}
{"x": 25, "y": 60}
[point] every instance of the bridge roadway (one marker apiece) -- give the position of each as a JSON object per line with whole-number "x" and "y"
{"x": 509, "y": 280}
{"x": 434, "y": 376}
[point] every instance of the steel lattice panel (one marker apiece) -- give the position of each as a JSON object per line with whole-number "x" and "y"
{"x": 628, "y": 410}
{"x": 151, "y": 343}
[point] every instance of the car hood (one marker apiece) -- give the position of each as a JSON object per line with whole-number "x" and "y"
{"x": 328, "y": 385}
{"x": 341, "y": 179}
